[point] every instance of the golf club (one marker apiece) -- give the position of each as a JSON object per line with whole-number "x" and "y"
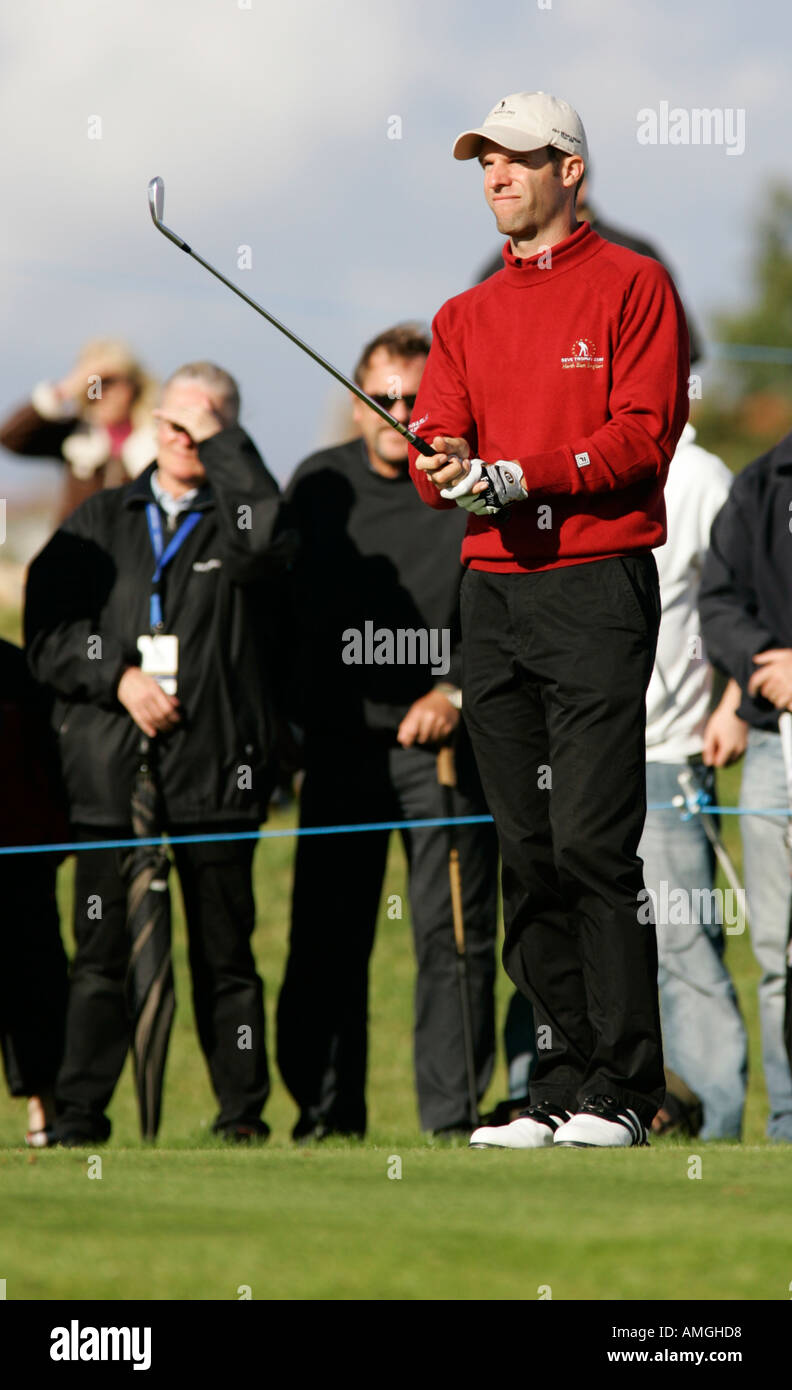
{"x": 446, "y": 776}
{"x": 785, "y": 730}
{"x": 695, "y": 801}
{"x": 156, "y": 198}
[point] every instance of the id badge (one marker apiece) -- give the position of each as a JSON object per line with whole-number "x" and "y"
{"x": 159, "y": 657}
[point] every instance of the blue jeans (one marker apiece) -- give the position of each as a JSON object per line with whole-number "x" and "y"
{"x": 769, "y": 899}
{"x": 519, "y": 1043}
{"x": 704, "y": 1038}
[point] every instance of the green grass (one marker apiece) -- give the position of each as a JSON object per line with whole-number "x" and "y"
{"x": 331, "y": 1224}
{"x": 191, "y": 1219}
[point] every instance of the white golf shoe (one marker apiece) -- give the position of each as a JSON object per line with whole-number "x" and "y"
{"x": 534, "y": 1128}
{"x": 601, "y": 1123}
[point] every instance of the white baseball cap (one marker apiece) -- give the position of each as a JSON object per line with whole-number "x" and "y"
{"x": 527, "y": 121}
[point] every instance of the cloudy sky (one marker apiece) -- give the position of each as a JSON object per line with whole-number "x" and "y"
{"x": 269, "y": 124}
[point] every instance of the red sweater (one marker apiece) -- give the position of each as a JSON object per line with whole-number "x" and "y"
{"x": 579, "y": 370}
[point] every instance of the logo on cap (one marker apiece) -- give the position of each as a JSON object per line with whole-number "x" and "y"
{"x": 573, "y": 139}
{"x": 501, "y": 110}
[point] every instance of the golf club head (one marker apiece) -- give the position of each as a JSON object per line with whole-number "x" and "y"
{"x": 156, "y": 199}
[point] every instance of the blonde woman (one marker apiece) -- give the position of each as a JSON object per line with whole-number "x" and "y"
{"x": 96, "y": 420}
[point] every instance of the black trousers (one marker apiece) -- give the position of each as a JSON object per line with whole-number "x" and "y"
{"x": 227, "y": 992}
{"x": 323, "y": 1006}
{"x": 33, "y": 973}
{"x": 556, "y": 666}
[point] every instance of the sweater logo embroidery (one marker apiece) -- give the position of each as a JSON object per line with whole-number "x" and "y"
{"x": 583, "y": 353}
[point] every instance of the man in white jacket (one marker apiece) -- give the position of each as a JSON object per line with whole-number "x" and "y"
{"x": 703, "y": 1034}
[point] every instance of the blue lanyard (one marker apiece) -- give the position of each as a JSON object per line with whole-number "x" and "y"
{"x": 163, "y": 556}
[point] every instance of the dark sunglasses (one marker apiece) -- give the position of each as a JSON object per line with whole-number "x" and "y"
{"x": 388, "y": 402}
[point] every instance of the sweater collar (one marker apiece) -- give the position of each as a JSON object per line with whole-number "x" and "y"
{"x": 380, "y": 478}
{"x": 552, "y": 261}
{"x": 172, "y": 506}
{"x": 140, "y": 491}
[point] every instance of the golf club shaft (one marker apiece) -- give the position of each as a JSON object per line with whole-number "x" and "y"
{"x": 446, "y": 776}
{"x": 419, "y": 444}
{"x": 455, "y": 882}
{"x": 688, "y": 784}
{"x": 724, "y": 858}
{"x": 785, "y": 730}
{"x": 156, "y": 194}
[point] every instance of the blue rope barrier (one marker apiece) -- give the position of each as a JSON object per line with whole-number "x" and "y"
{"x": 72, "y": 846}
{"x": 215, "y": 838}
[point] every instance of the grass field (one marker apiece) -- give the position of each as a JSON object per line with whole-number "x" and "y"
{"x": 191, "y": 1219}
{"x": 329, "y": 1224}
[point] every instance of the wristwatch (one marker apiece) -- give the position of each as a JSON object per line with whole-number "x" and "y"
{"x": 452, "y": 693}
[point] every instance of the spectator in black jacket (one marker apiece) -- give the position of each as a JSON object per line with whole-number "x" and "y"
{"x": 746, "y": 616}
{"x": 179, "y": 662}
{"x": 33, "y": 967}
{"x": 374, "y": 596}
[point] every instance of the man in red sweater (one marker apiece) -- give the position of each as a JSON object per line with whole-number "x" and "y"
{"x": 555, "y": 393}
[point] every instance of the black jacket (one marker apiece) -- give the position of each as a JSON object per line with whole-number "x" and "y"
{"x": 32, "y": 805}
{"x": 745, "y": 601}
{"x": 369, "y": 552}
{"x": 93, "y": 580}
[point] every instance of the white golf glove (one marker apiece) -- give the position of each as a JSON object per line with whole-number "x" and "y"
{"x": 505, "y": 480}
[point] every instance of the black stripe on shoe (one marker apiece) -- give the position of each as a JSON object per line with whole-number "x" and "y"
{"x": 608, "y": 1109}
{"x": 545, "y": 1114}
